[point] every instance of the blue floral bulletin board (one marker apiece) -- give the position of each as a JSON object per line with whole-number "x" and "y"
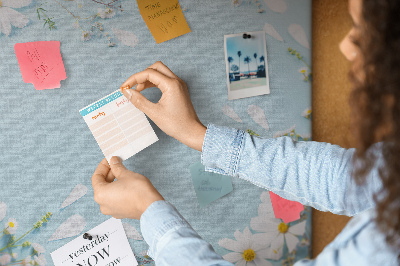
{"x": 48, "y": 154}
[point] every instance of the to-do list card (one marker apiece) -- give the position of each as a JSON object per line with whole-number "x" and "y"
{"x": 118, "y": 126}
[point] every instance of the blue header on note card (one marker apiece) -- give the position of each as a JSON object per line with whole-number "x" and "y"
{"x": 100, "y": 103}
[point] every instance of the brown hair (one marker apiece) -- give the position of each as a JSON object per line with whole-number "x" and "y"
{"x": 375, "y": 103}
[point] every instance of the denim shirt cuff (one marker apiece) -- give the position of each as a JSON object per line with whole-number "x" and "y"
{"x": 158, "y": 219}
{"x": 222, "y": 148}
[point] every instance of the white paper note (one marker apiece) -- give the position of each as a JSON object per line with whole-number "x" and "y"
{"x": 118, "y": 126}
{"x": 108, "y": 247}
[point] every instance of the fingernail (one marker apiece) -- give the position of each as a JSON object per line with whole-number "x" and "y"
{"x": 115, "y": 160}
{"x": 129, "y": 92}
{"x": 124, "y": 88}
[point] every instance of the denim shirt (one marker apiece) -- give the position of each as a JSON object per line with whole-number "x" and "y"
{"x": 313, "y": 173}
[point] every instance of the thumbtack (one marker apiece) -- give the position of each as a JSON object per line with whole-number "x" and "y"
{"x": 87, "y": 236}
{"x": 246, "y": 36}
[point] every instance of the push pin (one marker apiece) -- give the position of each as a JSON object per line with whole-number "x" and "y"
{"x": 246, "y": 36}
{"x": 87, "y": 236}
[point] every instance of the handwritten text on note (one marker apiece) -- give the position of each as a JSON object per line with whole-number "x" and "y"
{"x": 164, "y": 18}
{"x": 41, "y": 64}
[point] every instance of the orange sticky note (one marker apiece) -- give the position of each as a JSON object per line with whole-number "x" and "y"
{"x": 41, "y": 64}
{"x": 284, "y": 209}
{"x": 164, "y": 18}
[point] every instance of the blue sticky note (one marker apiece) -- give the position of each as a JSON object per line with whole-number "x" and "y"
{"x": 209, "y": 186}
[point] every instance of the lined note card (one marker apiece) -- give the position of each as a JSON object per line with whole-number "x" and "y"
{"x": 118, "y": 126}
{"x": 41, "y": 64}
{"x": 164, "y": 18}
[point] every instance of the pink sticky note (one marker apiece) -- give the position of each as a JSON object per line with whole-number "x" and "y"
{"x": 41, "y": 64}
{"x": 284, "y": 209}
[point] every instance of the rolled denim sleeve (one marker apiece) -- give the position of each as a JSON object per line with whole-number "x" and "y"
{"x": 173, "y": 241}
{"x": 316, "y": 174}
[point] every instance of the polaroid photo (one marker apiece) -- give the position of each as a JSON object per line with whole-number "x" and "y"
{"x": 246, "y": 64}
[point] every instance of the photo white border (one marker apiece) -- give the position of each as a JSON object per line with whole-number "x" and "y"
{"x": 248, "y": 92}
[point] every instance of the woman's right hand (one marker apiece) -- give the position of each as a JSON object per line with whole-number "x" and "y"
{"x": 174, "y": 113}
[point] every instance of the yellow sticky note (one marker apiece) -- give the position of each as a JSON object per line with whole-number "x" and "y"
{"x": 164, "y": 18}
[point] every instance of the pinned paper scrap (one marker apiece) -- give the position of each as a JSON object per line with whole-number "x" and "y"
{"x": 209, "y": 186}
{"x": 70, "y": 227}
{"x": 108, "y": 246}
{"x": 284, "y": 209}
{"x": 41, "y": 64}
{"x": 164, "y": 18}
{"x": 78, "y": 192}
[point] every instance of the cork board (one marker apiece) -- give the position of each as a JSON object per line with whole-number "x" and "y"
{"x": 331, "y": 89}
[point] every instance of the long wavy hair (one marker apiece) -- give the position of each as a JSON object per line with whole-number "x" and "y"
{"x": 375, "y": 102}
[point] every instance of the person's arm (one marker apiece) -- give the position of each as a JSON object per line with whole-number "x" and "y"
{"x": 171, "y": 239}
{"x": 313, "y": 173}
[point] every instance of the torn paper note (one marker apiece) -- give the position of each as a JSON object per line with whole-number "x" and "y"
{"x": 164, "y": 18}
{"x": 70, "y": 227}
{"x": 257, "y": 113}
{"x": 108, "y": 246}
{"x": 299, "y": 35}
{"x": 228, "y": 111}
{"x": 118, "y": 126}
{"x": 41, "y": 64}
{"x": 126, "y": 37}
{"x": 78, "y": 192}
{"x": 276, "y": 5}
{"x": 270, "y": 30}
{"x": 3, "y": 210}
{"x": 284, "y": 209}
{"x": 209, "y": 186}
{"x": 131, "y": 232}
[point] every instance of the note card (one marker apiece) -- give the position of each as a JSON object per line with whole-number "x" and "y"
{"x": 118, "y": 126}
{"x": 164, "y": 18}
{"x": 108, "y": 247}
{"x": 209, "y": 186}
{"x": 284, "y": 209}
{"x": 41, "y": 64}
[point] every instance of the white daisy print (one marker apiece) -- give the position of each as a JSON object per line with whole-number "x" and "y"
{"x": 38, "y": 248}
{"x": 40, "y": 260}
{"x": 11, "y": 226}
{"x": 106, "y": 13}
{"x": 248, "y": 249}
{"x": 26, "y": 261}
{"x": 280, "y": 233}
{"x": 5, "y": 259}
{"x": 306, "y": 113}
{"x": 8, "y": 16}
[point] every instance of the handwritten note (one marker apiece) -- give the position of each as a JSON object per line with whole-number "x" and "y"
{"x": 209, "y": 186}
{"x": 164, "y": 18}
{"x": 41, "y": 64}
{"x": 118, "y": 126}
{"x": 108, "y": 247}
{"x": 284, "y": 209}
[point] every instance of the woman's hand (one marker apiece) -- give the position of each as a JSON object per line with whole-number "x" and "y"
{"x": 128, "y": 197}
{"x": 174, "y": 113}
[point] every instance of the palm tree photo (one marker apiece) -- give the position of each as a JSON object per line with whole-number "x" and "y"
{"x": 247, "y": 60}
{"x": 255, "y": 60}
{"x": 239, "y": 53}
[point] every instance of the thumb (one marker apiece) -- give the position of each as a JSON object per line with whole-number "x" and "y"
{"x": 138, "y": 100}
{"x": 117, "y": 167}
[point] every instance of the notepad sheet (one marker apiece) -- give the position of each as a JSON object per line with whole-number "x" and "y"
{"x": 118, "y": 126}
